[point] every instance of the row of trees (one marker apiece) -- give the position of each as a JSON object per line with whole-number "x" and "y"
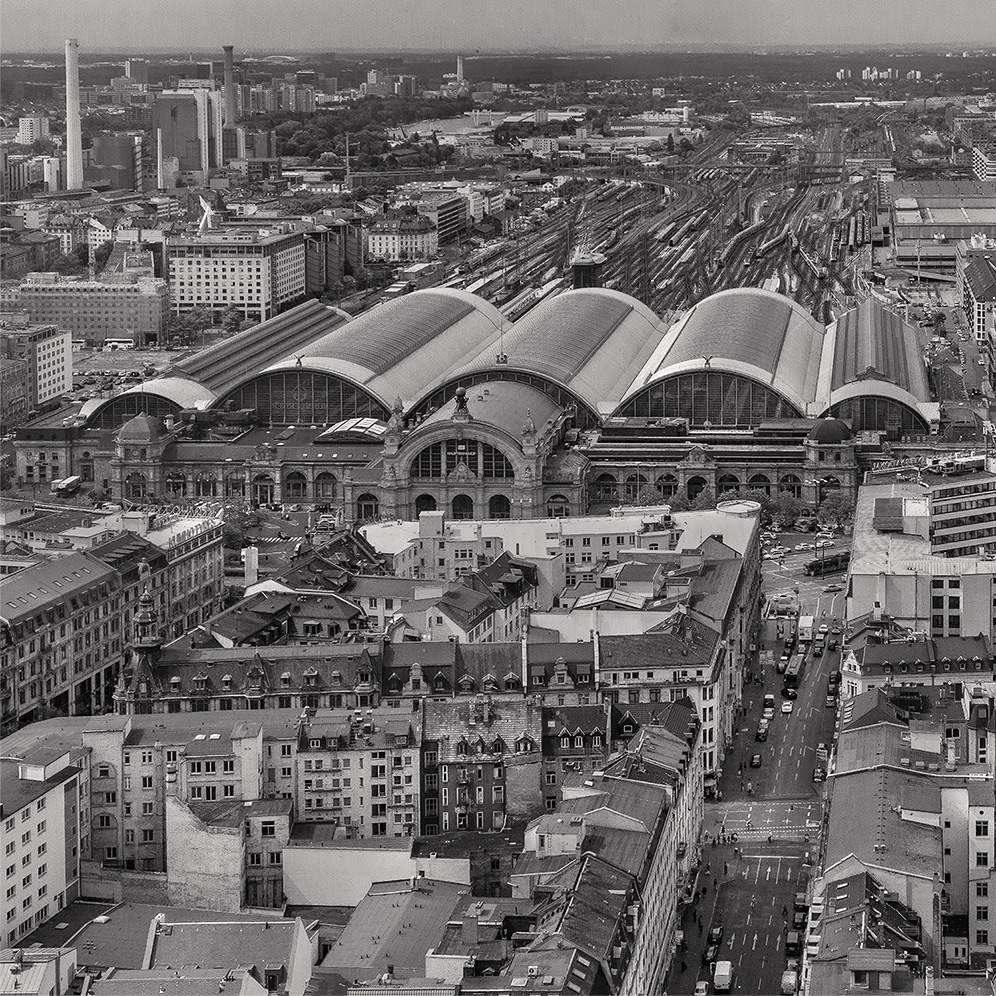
{"x": 780, "y": 509}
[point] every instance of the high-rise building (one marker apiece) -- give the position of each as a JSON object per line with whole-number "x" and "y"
{"x": 74, "y": 134}
{"x": 48, "y": 353}
{"x": 257, "y": 272}
{"x": 137, "y": 70}
{"x": 189, "y": 124}
{"x": 231, "y": 109}
{"x": 122, "y": 150}
{"x": 31, "y": 128}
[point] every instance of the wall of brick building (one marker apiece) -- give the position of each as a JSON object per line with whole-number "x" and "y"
{"x": 117, "y": 885}
{"x": 523, "y": 784}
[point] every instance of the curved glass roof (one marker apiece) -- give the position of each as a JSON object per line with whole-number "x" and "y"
{"x": 181, "y": 392}
{"x": 405, "y": 347}
{"x": 748, "y": 331}
{"x": 592, "y": 341}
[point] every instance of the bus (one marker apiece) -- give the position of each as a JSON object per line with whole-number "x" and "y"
{"x": 67, "y": 486}
{"x": 793, "y": 673}
{"x": 829, "y": 564}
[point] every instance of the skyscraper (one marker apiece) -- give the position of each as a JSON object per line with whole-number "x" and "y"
{"x": 74, "y": 135}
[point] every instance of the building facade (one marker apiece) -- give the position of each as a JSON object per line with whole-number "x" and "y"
{"x": 396, "y": 239}
{"x": 47, "y": 351}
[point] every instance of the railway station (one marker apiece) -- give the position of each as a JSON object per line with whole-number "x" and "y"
{"x": 435, "y": 400}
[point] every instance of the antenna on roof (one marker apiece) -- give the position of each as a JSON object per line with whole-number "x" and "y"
{"x": 502, "y": 356}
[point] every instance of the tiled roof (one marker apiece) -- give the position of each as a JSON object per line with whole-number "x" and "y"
{"x": 466, "y": 722}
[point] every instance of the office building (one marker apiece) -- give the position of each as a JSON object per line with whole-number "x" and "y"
{"x": 137, "y": 70}
{"x": 118, "y": 306}
{"x": 984, "y": 163}
{"x": 122, "y": 152}
{"x": 31, "y": 128}
{"x": 395, "y": 239}
{"x": 42, "y": 822}
{"x": 187, "y": 126}
{"x": 976, "y": 274}
{"x": 258, "y": 272}
{"x": 923, "y": 555}
{"x": 15, "y": 393}
{"x": 448, "y": 213}
{"x": 47, "y": 350}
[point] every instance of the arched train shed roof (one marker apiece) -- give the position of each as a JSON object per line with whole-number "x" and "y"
{"x": 748, "y": 331}
{"x": 592, "y": 341}
{"x": 405, "y": 347}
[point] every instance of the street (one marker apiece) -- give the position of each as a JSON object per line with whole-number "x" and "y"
{"x": 775, "y": 810}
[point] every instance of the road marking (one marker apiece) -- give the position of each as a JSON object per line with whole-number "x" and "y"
{"x": 754, "y": 945}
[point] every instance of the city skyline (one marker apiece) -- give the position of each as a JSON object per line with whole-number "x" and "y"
{"x": 439, "y": 25}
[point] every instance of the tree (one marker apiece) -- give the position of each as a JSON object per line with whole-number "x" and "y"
{"x": 183, "y": 329}
{"x": 647, "y": 495}
{"x": 102, "y": 254}
{"x": 670, "y": 143}
{"x": 238, "y": 519}
{"x": 231, "y": 321}
{"x": 785, "y": 508}
{"x": 837, "y": 509}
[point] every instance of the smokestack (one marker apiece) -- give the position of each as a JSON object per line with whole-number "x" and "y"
{"x": 160, "y": 178}
{"x": 74, "y": 136}
{"x": 231, "y": 114}
{"x": 459, "y": 69}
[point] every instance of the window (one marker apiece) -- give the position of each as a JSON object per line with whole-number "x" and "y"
{"x": 982, "y": 859}
{"x": 982, "y": 937}
{"x": 981, "y": 912}
{"x": 148, "y": 808}
{"x": 146, "y": 781}
{"x": 982, "y": 828}
{"x": 269, "y": 829}
{"x": 255, "y": 859}
{"x": 275, "y": 857}
{"x": 982, "y": 890}
{"x": 148, "y": 836}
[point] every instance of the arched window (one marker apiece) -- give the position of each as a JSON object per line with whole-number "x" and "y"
{"x": 565, "y": 742}
{"x": 792, "y": 484}
{"x": 760, "y": 482}
{"x": 499, "y": 507}
{"x": 579, "y": 742}
{"x": 206, "y": 486}
{"x": 481, "y": 459}
{"x": 606, "y": 487}
{"x": 295, "y": 486}
{"x": 117, "y": 411}
{"x": 425, "y": 503}
{"x": 727, "y": 482}
{"x": 667, "y": 485}
{"x": 136, "y": 486}
{"x": 463, "y": 507}
{"x": 367, "y": 507}
{"x": 325, "y": 486}
{"x": 558, "y": 507}
{"x": 176, "y": 485}
{"x": 633, "y": 484}
{"x": 262, "y": 489}
{"x": 235, "y": 486}
{"x": 696, "y": 485}
{"x": 295, "y": 397}
{"x": 710, "y": 397}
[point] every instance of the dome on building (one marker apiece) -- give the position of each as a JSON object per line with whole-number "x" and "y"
{"x": 830, "y": 431}
{"x": 142, "y": 429}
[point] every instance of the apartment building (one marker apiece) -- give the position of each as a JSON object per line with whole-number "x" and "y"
{"x": 360, "y": 769}
{"x": 48, "y": 354}
{"x": 396, "y": 239}
{"x": 257, "y": 272}
{"x": 41, "y": 818}
{"x": 61, "y": 639}
{"x": 115, "y": 306}
{"x": 975, "y": 270}
{"x": 481, "y": 760}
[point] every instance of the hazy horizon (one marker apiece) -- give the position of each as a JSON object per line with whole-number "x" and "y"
{"x": 513, "y": 26}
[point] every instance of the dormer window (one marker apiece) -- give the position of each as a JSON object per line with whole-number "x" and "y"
{"x": 226, "y": 682}
{"x": 582, "y": 679}
{"x": 523, "y": 745}
{"x": 498, "y": 747}
{"x": 174, "y": 684}
{"x": 578, "y": 742}
{"x": 596, "y": 740}
{"x": 439, "y": 683}
{"x": 510, "y": 682}
{"x": 285, "y": 679}
{"x": 310, "y": 677}
{"x": 463, "y": 748}
{"x": 565, "y": 742}
{"x": 200, "y": 682}
{"x": 315, "y": 743}
{"x": 364, "y": 677}
{"x": 337, "y": 678}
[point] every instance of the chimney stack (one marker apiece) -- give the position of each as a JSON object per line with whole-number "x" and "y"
{"x": 74, "y": 136}
{"x": 231, "y": 114}
{"x": 459, "y": 72}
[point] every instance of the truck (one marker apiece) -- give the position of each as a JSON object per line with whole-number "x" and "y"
{"x": 806, "y": 626}
{"x": 722, "y": 977}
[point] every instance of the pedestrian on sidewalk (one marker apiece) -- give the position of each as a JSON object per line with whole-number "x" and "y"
{"x": 726, "y": 868}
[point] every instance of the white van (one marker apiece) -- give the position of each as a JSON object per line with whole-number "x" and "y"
{"x": 790, "y": 982}
{"x": 722, "y": 978}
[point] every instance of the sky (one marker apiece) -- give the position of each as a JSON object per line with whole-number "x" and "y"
{"x": 489, "y": 25}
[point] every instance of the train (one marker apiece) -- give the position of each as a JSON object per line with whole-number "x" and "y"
{"x": 765, "y": 247}
{"x": 739, "y": 238}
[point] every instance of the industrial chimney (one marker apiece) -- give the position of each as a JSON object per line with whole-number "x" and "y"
{"x": 74, "y": 136}
{"x": 459, "y": 73}
{"x": 231, "y": 114}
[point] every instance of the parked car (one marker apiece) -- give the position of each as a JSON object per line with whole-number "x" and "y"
{"x": 799, "y": 920}
{"x": 761, "y": 735}
{"x": 715, "y": 935}
{"x": 709, "y": 953}
{"x": 755, "y": 760}
{"x": 819, "y": 775}
{"x": 702, "y": 988}
{"x": 831, "y": 701}
{"x": 789, "y": 693}
{"x": 787, "y": 707}
{"x": 824, "y": 628}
